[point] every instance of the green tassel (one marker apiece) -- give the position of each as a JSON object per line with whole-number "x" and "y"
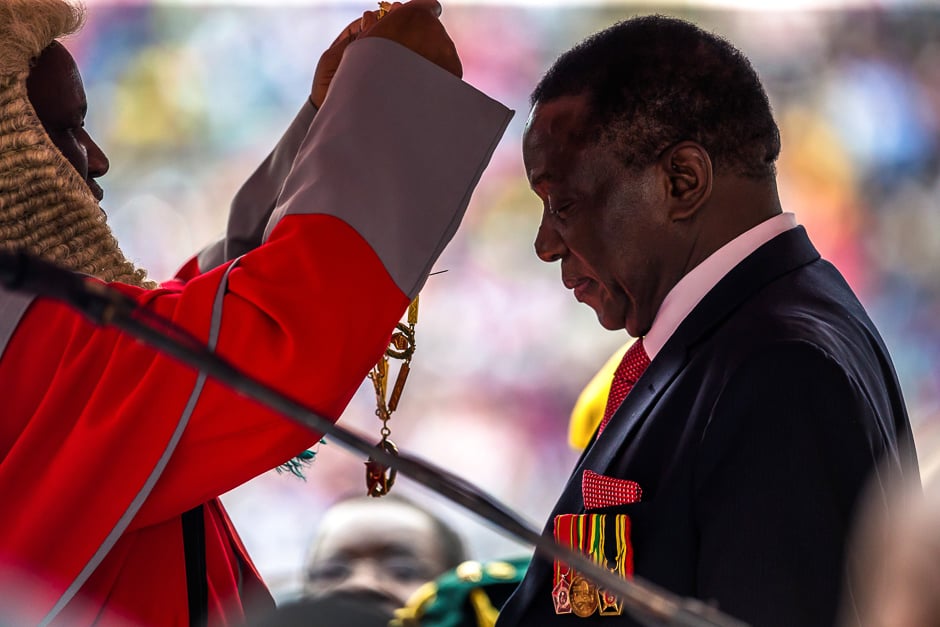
{"x": 296, "y": 465}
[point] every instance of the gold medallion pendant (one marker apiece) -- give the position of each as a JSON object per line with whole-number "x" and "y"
{"x": 583, "y": 595}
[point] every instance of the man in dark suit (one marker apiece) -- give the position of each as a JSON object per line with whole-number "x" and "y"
{"x": 762, "y": 398}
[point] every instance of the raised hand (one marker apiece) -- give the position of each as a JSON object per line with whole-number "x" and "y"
{"x": 329, "y": 60}
{"x": 416, "y": 26}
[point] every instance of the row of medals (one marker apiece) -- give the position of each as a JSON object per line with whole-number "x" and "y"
{"x": 582, "y": 598}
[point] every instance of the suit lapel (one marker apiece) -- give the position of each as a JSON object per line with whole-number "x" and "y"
{"x": 783, "y": 254}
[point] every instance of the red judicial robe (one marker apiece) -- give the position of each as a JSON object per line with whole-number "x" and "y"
{"x": 88, "y": 412}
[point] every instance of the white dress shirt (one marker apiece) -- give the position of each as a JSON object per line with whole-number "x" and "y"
{"x": 691, "y": 289}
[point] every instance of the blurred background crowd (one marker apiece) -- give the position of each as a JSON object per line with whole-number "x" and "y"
{"x": 187, "y": 99}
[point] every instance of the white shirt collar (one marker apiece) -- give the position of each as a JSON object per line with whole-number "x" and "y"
{"x": 693, "y": 287}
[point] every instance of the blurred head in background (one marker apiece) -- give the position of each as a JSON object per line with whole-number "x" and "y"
{"x": 379, "y": 550}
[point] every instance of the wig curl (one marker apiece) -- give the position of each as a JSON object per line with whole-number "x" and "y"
{"x": 45, "y": 207}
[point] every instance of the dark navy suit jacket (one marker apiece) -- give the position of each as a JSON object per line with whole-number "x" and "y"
{"x": 752, "y": 434}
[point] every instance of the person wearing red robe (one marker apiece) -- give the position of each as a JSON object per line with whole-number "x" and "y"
{"x": 105, "y": 442}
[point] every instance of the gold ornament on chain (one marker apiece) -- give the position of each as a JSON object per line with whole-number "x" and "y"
{"x": 380, "y": 478}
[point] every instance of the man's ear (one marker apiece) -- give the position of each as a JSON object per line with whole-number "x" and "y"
{"x": 688, "y": 170}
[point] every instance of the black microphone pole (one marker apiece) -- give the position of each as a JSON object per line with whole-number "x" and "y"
{"x": 106, "y": 306}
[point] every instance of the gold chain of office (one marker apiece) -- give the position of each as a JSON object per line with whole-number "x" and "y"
{"x": 380, "y": 478}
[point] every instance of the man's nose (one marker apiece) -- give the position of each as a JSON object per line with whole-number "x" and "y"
{"x": 548, "y": 243}
{"x": 365, "y": 575}
{"x": 98, "y": 164}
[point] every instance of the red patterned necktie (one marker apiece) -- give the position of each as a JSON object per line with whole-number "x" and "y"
{"x": 599, "y": 490}
{"x": 631, "y": 367}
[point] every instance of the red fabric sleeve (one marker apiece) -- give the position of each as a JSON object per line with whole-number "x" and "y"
{"x": 314, "y": 341}
{"x": 189, "y": 270}
{"x": 89, "y": 409}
